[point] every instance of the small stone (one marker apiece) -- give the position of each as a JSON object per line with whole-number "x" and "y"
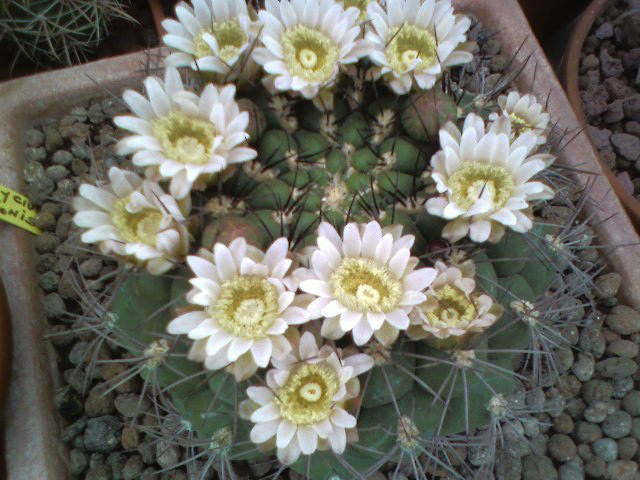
{"x": 130, "y": 438}
{"x": 73, "y": 430}
{"x": 623, "y": 320}
{"x": 99, "y": 402}
{"x": 35, "y": 154}
{"x": 623, "y": 348}
{"x": 598, "y": 411}
{"x": 617, "y": 88}
{"x": 584, "y": 452}
{"x": 148, "y": 451}
{"x": 595, "y": 467}
{"x": 57, "y": 172}
{"x": 595, "y": 101}
{"x": 149, "y": 474}
{"x": 635, "y": 428}
{"x": 33, "y": 171}
{"x": 617, "y": 425}
{"x": 102, "y": 434}
{"x": 607, "y": 285}
{"x": 575, "y": 407}
{"x": 569, "y": 386}
{"x": 91, "y": 267}
{"x": 626, "y": 145}
{"x": 610, "y": 66}
{"x": 34, "y": 137}
{"x": 81, "y": 151}
{"x": 614, "y": 113}
{"x": 604, "y": 31}
{"x": 606, "y": 449}
{"x": 95, "y": 114}
{"x": 616, "y": 367}
{"x": 572, "y": 470}
{"x": 537, "y": 467}
{"x": 562, "y": 447}
{"x": 632, "y": 128}
{"x": 584, "y": 367}
{"x": 53, "y": 305}
{"x": 48, "y": 281}
{"x": 631, "y": 28}
{"x": 116, "y": 462}
{"x": 631, "y": 108}
{"x": 622, "y": 470}
{"x": 627, "y": 448}
{"x": 133, "y": 468}
{"x": 563, "y": 424}
{"x": 64, "y": 225}
{"x": 46, "y": 242}
{"x": 69, "y": 285}
{"x": 590, "y": 62}
{"x": 597, "y": 390}
{"x": 67, "y": 402}
{"x": 167, "y": 454}
{"x": 53, "y": 139}
{"x": 631, "y": 60}
{"x": 130, "y": 405}
{"x": 535, "y": 399}
{"x": 592, "y": 341}
{"x": 78, "y": 461}
{"x": 62, "y": 157}
{"x": 631, "y": 403}
{"x": 587, "y": 432}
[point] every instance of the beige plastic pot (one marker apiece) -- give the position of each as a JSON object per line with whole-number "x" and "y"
{"x": 34, "y": 450}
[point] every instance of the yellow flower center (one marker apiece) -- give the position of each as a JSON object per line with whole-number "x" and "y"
{"x": 230, "y": 37}
{"x": 359, "y": 4}
{"x": 138, "y": 227}
{"x": 307, "y": 397}
{"x": 185, "y": 139}
{"x": 411, "y": 47}
{"x": 247, "y": 306}
{"x": 476, "y": 179}
{"x": 453, "y": 307}
{"x": 309, "y": 54}
{"x": 519, "y": 124}
{"x": 363, "y": 285}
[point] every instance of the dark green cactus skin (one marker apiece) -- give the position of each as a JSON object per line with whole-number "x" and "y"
{"x": 289, "y": 197}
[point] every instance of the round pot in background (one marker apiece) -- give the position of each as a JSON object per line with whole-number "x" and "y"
{"x": 569, "y": 76}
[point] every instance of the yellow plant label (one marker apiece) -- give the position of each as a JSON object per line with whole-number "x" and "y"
{"x": 17, "y": 209}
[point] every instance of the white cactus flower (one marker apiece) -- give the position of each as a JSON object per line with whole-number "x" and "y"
{"x": 181, "y": 136}
{"x": 305, "y": 42}
{"x": 365, "y": 282}
{"x": 134, "y": 219}
{"x": 303, "y": 407}
{"x": 453, "y": 307}
{"x": 525, "y": 113}
{"x": 484, "y": 177}
{"x": 246, "y": 307}
{"x": 214, "y": 36}
{"x": 415, "y": 41}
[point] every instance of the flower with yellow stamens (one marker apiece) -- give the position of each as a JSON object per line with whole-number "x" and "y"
{"x": 245, "y": 307}
{"x": 212, "y": 36}
{"x": 453, "y": 307}
{"x": 526, "y": 114}
{"x": 133, "y": 219}
{"x": 365, "y": 282}
{"x": 181, "y": 136}
{"x": 305, "y": 42}
{"x": 484, "y": 178}
{"x": 415, "y": 41}
{"x": 302, "y": 408}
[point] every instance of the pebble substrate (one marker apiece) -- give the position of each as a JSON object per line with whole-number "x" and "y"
{"x": 610, "y": 90}
{"x": 591, "y": 424}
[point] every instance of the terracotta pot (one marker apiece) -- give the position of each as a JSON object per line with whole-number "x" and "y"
{"x": 35, "y": 450}
{"x": 157, "y": 12}
{"x": 5, "y": 367}
{"x": 570, "y": 72}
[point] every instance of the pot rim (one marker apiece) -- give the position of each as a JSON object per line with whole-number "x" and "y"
{"x": 570, "y": 72}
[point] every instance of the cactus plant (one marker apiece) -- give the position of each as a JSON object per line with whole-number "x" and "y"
{"x": 60, "y": 30}
{"x": 315, "y": 277}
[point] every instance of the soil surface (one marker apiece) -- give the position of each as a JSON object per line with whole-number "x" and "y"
{"x": 610, "y": 90}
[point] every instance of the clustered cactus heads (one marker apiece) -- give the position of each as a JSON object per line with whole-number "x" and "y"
{"x": 60, "y": 30}
{"x": 326, "y": 312}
